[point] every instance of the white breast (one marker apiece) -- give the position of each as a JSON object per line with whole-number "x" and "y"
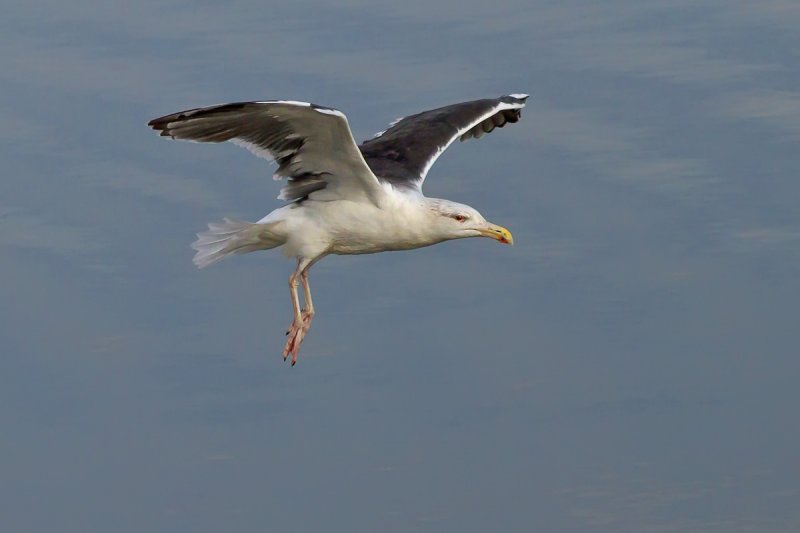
{"x": 354, "y": 227}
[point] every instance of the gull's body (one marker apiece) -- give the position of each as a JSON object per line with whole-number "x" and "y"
{"x": 315, "y": 228}
{"x": 345, "y": 199}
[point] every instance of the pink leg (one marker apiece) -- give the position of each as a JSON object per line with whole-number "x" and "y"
{"x": 302, "y": 319}
{"x": 308, "y": 311}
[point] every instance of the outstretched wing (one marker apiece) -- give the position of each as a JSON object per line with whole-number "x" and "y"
{"x": 312, "y": 145}
{"x": 403, "y": 154}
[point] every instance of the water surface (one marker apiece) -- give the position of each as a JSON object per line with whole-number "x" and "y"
{"x": 629, "y": 365}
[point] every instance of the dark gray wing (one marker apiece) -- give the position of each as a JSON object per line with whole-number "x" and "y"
{"x": 403, "y": 154}
{"x": 312, "y": 145}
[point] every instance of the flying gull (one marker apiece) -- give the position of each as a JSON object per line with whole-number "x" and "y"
{"x": 343, "y": 198}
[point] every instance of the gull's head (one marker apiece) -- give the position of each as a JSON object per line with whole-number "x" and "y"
{"x": 451, "y": 220}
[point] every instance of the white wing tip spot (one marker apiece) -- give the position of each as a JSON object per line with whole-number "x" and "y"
{"x": 329, "y": 111}
{"x": 288, "y": 102}
{"x": 518, "y": 96}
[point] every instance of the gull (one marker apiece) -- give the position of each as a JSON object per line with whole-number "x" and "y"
{"x": 343, "y": 198}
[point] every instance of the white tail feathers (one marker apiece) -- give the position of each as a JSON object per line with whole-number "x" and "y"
{"x": 232, "y": 237}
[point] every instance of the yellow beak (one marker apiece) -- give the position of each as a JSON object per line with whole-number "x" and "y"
{"x": 498, "y": 233}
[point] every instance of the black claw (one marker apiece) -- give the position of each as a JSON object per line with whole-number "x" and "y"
{"x": 294, "y": 363}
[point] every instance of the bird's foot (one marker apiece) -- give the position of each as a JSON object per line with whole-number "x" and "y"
{"x": 295, "y": 335}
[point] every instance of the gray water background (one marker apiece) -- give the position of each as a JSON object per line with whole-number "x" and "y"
{"x": 631, "y": 364}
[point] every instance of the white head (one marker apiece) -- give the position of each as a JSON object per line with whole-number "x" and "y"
{"x": 451, "y": 220}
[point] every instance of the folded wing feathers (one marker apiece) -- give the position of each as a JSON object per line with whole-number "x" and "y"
{"x": 300, "y": 187}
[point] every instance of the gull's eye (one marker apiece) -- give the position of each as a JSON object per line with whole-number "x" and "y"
{"x": 460, "y": 218}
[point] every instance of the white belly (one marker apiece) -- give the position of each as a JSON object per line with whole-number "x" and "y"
{"x": 345, "y": 227}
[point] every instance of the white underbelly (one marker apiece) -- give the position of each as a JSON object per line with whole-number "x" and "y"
{"x": 346, "y": 228}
